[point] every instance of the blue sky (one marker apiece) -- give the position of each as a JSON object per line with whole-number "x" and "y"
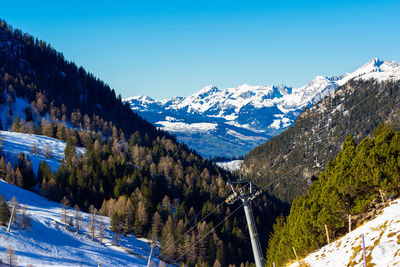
{"x": 168, "y": 48}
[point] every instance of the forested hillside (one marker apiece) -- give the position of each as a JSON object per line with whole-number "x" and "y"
{"x": 149, "y": 184}
{"x": 348, "y": 186}
{"x": 288, "y": 163}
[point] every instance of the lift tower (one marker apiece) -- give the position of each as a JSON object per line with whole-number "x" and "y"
{"x": 246, "y": 192}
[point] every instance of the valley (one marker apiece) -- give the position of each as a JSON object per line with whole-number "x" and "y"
{"x": 96, "y": 170}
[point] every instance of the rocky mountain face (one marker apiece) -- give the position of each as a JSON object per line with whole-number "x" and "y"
{"x": 288, "y": 163}
{"x": 232, "y": 121}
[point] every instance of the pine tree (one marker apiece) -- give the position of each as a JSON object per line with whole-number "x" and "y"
{"x": 156, "y": 227}
{"x": 4, "y": 211}
{"x": 26, "y": 219}
{"x": 11, "y": 257}
{"x": 77, "y": 218}
{"x": 92, "y": 211}
{"x": 64, "y": 211}
{"x": 101, "y": 229}
{"x": 116, "y": 226}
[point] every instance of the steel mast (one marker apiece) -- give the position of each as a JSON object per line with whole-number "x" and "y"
{"x": 247, "y": 191}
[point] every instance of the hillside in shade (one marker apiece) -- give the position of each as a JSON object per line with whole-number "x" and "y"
{"x": 288, "y": 163}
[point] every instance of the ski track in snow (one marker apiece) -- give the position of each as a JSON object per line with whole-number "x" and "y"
{"x": 49, "y": 244}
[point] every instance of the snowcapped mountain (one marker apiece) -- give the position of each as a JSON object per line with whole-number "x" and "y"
{"x": 232, "y": 121}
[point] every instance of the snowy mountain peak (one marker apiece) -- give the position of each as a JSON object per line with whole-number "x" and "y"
{"x": 372, "y": 65}
{"x": 141, "y": 98}
{"x": 208, "y": 89}
{"x": 374, "y": 69}
{"x": 247, "y": 115}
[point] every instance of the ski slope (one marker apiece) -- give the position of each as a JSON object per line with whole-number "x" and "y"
{"x": 382, "y": 244}
{"x": 13, "y": 143}
{"x": 49, "y": 244}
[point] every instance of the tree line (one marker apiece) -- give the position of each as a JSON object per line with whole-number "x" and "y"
{"x": 149, "y": 184}
{"x": 350, "y": 182}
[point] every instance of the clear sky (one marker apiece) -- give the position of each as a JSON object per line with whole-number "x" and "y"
{"x": 168, "y": 48}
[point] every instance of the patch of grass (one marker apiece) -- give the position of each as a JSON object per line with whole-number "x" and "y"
{"x": 391, "y": 234}
{"x": 352, "y": 260}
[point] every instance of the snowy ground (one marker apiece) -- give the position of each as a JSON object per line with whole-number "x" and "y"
{"x": 382, "y": 243}
{"x": 49, "y": 244}
{"x": 233, "y": 165}
{"x": 13, "y": 143}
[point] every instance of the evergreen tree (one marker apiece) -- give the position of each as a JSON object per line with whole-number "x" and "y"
{"x": 4, "y": 211}
{"x": 11, "y": 257}
{"x": 116, "y": 226}
{"x": 26, "y": 219}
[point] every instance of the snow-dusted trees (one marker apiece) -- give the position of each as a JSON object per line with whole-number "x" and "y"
{"x": 20, "y": 214}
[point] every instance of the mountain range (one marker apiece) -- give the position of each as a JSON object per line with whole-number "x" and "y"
{"x": 230, "y": 122}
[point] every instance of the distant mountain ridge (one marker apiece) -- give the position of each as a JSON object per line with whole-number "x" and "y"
{"x": 289, "y": 162}
{"x": 232, "y": 121}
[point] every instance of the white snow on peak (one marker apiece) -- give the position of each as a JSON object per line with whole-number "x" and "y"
{"x": 142, "y": 98}
{"x": 229, "y": 101}
{"x": 249, "y": 107}
{"x": 374, "y": 69}
{"x": 174, "y": 126}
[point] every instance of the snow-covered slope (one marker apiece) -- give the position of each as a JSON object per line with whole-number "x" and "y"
{"x": 13, "y": 143}
{"x": 382, "y": 244}
{"x": 233, "y": 165}
{"x": 47, "y": 243}
{"x": 232, "y": 121}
